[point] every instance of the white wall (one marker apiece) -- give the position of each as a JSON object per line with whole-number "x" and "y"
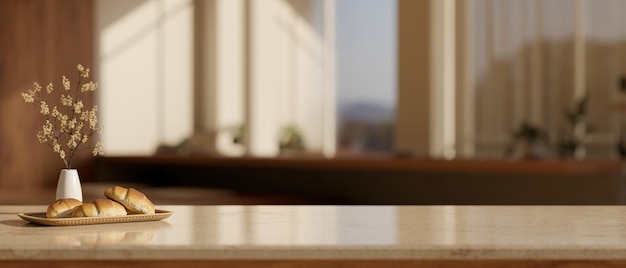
{"x": 144, "y": 67}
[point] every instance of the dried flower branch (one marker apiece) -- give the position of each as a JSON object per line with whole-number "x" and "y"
{"x": 69, "y": 125}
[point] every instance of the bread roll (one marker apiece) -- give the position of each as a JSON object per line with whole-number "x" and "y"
{"x": 133, "y": 200}
{"x": 99, "y": 208}
{"x": 62, "y": 208}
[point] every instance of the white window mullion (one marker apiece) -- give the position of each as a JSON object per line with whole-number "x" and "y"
{"x": 443, "y": 80}
{"x": 329, "y": 122}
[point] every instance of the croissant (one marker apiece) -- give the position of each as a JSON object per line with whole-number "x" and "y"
{"x": 62, "y": 208}
{"x": 99, "y": 208}
{"x": 133, "y": 200}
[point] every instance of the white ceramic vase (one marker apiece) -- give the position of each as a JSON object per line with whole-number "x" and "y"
{"x": 69, "y": 186}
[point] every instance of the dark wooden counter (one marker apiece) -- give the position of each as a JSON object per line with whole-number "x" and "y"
{"x": 382, "y": 163}
{"x": 383, "y": 180}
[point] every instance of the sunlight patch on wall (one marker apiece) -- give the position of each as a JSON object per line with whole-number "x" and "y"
{"x": 144, "y": 57}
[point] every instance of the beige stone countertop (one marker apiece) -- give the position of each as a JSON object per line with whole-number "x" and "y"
{"x": 330, "y": 233}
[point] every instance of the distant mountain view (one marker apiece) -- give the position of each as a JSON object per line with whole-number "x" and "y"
{"x": 365, "y": 112}
{"x": 365, "y": 127}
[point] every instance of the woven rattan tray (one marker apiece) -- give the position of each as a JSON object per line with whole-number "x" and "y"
{"x": 40, "y": 218}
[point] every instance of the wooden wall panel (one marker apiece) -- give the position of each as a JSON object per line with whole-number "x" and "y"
{"x": 39, "y": 41}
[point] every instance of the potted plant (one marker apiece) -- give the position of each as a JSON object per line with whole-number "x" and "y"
{"x": 290, "y": 140}
{"x": 529, "y": 142}
{"x": 568, "y": 145}
{"x": 68, "y": 125}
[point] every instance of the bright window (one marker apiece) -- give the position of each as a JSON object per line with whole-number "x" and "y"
{"x": 366, "y": 75}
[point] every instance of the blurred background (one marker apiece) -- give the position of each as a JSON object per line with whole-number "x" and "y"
{"x": 435, "y": 101}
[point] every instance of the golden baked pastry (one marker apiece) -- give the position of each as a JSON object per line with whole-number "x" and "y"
{"x": 62, "y": 208}
{"x": 133, "y": 200}
{"x": 99, "y": 208}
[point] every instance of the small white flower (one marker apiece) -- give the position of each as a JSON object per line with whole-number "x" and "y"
{"x": 42, "y": 137}
{"x": 47, "y": 128}
{"x": 84, "y": 72}
{"x": 74, "y": 139}
{"x": 66, "y": 83}
{"x": 49, "y": 88}
{"x": 28, "y": 98}
{"x": 84, "y": 87}
{"x": 37, "y": 87}
{"x": 56, "y": 147}
{"x": 72, "y": 123}
{"x": 66, "y": 100}
{"x": 55, "y": 112}
{"x": 97, "y": 150}
{"x": 78, "y": 106}
{"x": 44, "y": 108}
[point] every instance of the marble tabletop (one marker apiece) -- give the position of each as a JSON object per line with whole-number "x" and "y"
{"x": 330, "y": 232}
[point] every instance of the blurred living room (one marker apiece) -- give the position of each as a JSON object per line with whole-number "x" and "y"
{"x": 390, "y": 102}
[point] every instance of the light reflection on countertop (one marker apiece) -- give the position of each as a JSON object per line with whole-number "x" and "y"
{"x": 331, "y": 231}
{"x": 281, "y": 225}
